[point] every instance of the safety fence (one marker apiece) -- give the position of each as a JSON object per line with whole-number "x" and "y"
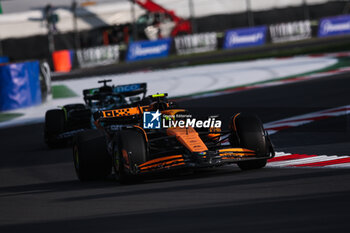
{"x": 28, "y": 83}
{"x": 204, "y": 42}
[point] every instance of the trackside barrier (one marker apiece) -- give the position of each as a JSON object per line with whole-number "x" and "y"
{"x": 4, "y": 59}
{"x": 45, "y": 81}
{"x": 196, "y": 43}
{"x": 334, "y": 26}
{"x": 245, "y": 37}
{"x": 19, "y": 85}
{"x": 148, "y": 49}
{"x": 95, "y": 56}
{"x": 290, "y": 31}
{"x": 62, "y": 60}
{"x": 204, "y": 42}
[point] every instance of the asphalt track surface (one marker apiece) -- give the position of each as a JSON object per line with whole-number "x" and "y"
{"x": 39, "y": 191}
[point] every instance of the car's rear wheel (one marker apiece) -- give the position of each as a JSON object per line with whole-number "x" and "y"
{"x": 91, "y": 159}
{"x": 247, "y": 131}
{"x": 54, "y": 125}
{"x": 69, "y": 107}
{"x": 129, "y": 151}
{"x": 80, "y": 119}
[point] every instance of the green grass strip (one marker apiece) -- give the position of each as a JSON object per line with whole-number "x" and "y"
{"x": 9, "y": 116}
{"x": 62, "y": 91}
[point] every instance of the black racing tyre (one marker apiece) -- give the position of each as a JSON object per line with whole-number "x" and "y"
{"x": 129, "y": 150}
{"x": 90, "y": 155}
{"x": 248, "y": 132}
{"x": 69, "y": 107}
{"x": 80, "y": 119}
{"x": 54, "y": 125}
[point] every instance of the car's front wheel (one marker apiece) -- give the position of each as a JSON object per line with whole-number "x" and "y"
{"x": 247, "y": 131}
{"x": 129, "y": 151}
{"x": 54, "y": 125}
{"x": 91, "y": 159}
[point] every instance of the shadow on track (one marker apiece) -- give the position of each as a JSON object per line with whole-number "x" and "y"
{"x": 218, "y": 184}
{"x": 255, "y": 215}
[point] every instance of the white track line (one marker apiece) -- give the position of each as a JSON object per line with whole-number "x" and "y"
{"x": 341, "y": 165}
{"x": 303, "y": 161}
{"x": 280, "y": 154}
{"x": 273, "y": 127}
{"x": 314, "y": 159}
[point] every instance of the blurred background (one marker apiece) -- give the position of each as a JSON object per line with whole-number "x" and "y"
{"x": 34, "y": 29}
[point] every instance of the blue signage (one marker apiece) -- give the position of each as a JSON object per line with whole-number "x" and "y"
{"x": 151, "y": 120}
{"x": 245, "y": 37}
{"x": 4, "y": 59}
{"x": 333, "y": 26}
{"x": 148, "y": 49}
{"x": 19, "y": 85}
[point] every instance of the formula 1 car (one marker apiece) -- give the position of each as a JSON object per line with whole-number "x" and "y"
{"x": 122, "y": 142}
{"x": 62, "y": 124}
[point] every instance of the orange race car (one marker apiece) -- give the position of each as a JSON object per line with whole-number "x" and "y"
{"x": 158, "y": 136}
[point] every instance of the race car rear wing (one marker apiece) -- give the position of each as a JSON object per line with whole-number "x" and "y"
{"x": 127, "y": 90}
{"x": 133, "y": 113}
{"x": 131, "y": 89}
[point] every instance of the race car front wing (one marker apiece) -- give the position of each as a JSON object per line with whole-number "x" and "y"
{"x": 199, "y": 160}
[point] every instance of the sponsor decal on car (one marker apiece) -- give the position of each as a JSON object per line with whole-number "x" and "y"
{"x": 157, "y": 120}
{"x": 127, "y": 88}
